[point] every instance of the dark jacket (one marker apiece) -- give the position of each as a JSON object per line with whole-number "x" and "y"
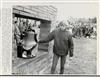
{"x": 63, "y": 42}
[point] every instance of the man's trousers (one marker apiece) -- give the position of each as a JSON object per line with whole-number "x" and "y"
{"x": 55, "y": 61}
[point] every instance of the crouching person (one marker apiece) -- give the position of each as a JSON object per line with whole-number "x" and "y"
{"x": 63, "y": 43}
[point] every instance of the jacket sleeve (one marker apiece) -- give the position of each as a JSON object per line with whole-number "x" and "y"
{"x": 70, "y": 45}
{"x": 48, "y": 38}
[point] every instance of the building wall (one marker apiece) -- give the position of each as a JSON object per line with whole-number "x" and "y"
{"x": 40, "y": 12}
{"x": 45, "y": 14}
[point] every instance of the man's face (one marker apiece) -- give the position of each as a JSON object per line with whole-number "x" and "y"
{"x": 63, "y": 27}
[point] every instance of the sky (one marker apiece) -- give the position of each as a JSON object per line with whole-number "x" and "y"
{"x": 79, "y": 10}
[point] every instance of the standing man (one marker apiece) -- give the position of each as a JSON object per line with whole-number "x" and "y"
{"x": 63, "y": 45}
{"x": 17, "y": 35}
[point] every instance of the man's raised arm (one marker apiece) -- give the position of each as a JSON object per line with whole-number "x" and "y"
{"x": 48, "y": 38}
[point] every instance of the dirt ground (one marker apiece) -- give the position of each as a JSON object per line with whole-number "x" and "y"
{"x": 83, "y": 62}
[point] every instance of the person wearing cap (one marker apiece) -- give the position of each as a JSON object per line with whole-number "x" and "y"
{"x": 63, "y": 44}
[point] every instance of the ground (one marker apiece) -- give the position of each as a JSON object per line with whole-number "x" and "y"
{"x": 83, "y": 62}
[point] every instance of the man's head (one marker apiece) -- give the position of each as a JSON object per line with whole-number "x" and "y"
{"x": 62, "y": 25}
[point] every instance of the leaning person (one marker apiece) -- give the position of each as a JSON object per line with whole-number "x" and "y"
{"x": 63, "y": 43}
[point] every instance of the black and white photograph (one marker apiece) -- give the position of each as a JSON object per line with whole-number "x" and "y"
{"x": 57, "y": 38}
{"x": 45, "y": 43}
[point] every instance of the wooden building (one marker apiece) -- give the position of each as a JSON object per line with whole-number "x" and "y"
{"x": 45, "y": 14}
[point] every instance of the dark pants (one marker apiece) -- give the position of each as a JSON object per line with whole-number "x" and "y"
{"x": 19, "y": 51}
{"x": 55, "y": 61}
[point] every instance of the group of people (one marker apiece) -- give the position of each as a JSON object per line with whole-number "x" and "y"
{"x": 84, "y": 31}
{"x": 26, "y": 37}
{"x": 81, "y": 30}
{"x": 63, "y": 42}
